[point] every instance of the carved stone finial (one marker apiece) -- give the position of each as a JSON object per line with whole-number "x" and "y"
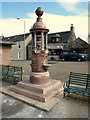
{"x": 39, "y": 12}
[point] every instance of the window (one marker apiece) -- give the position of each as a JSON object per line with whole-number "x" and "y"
{"x": 11, "y": 54}
{"x": 19, "y": 54}
{"x": 19, "y": 44}
{"x": 57, "y": 39}
{"x": 53, "y": 40}
{"x": 0, "y": 51}
{"x": 73, "y": 53}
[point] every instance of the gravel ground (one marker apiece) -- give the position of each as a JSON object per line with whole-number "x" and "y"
{"x": 58, "y": 70}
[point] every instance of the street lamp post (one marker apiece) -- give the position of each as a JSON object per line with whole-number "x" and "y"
{"x": 24, "y": 39}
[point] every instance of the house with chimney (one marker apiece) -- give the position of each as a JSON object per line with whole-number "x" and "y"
{"x": 65, "y": 40}
{"x": 61, "y": 40}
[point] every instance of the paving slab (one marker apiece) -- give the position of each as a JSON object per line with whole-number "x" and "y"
{"x": 49, "y": 105}
{"x": 35, "y": 103}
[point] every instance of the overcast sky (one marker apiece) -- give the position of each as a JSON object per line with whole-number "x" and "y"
{"x": 58, "y": 16}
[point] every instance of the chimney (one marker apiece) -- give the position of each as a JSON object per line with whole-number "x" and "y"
{"x": 72, "y": 28}
{"x": 2, "y": 36}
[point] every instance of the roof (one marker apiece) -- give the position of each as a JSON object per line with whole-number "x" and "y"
{"x": 15, "y": 38}
{"x": 7, "y": 43}
{"x": 79, "y": 43}
{"x": 64, "y": 36}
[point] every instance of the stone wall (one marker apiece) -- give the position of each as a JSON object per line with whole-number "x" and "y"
{"x": 71, "y": 39}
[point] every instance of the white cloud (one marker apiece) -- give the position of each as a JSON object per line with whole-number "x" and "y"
{"x": 13, "y": 26}
{"x": 71, "y": 7}
{"x": 55, "y": 23}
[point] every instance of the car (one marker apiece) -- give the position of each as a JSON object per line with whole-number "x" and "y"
{"x": 71, "y": 55}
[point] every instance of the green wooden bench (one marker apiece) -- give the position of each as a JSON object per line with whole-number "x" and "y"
{"x": 7, "y": 71}
{"x": 78, "y": 83}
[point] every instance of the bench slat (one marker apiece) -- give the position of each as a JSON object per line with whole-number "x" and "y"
{"x": 12, "y": 72}
{"x": 74, "y": 79}
{"x": 82, "y": 82}
{"x": 78, "y": 83}
{"x": 72, "y": 73}
{"x": 78, "y": 75}
{"x": 82, "y": 77}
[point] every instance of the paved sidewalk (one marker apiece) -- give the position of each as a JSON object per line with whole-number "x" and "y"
{"x": 69, "y": 107}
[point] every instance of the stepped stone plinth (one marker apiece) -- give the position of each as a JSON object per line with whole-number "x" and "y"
{"x": 39, "y": 92}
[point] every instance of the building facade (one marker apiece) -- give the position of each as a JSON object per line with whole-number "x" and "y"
{"x": 80, "y": 46}
{"x": 61, "y": 41}
{"x": 56, "y": 42}
{"x": 17, "y": 51}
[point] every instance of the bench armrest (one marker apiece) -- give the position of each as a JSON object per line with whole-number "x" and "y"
{"x": 66, "y": 83}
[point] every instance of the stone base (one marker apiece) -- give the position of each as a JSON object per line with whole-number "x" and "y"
{"x": 39, "y": 78}
{"x": 39, "y": 92}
